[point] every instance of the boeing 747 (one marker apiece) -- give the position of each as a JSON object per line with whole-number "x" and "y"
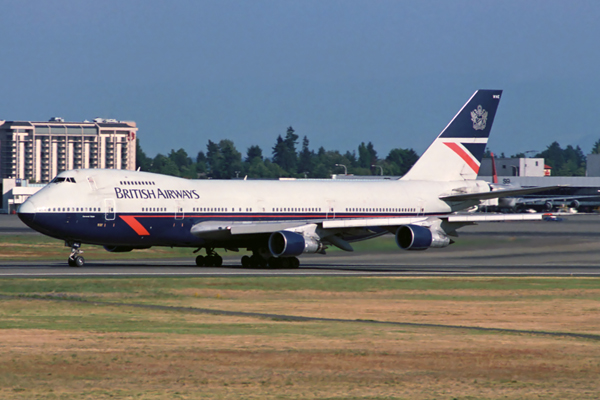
{"x": 276, "y": 221}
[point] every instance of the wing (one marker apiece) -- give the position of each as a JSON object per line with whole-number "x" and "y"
{"x": 340, "y": 232}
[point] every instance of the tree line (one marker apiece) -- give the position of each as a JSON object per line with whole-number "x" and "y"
{"x": 222, "y": 160}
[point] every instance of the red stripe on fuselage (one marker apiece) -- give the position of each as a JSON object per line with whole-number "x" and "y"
{"x": 463, "y": 154}
{"x": 135, "y": 225}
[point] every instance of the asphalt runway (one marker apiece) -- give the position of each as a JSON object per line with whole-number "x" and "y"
{"x": 567, "y": 248}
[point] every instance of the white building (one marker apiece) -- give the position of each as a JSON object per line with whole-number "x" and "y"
{"x": 38, "y": 151}
{"x": 514, "y": 167}
{"x": 15, "y": 192}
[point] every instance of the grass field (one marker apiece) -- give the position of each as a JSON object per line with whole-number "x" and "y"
{"x": 99, "y": 338}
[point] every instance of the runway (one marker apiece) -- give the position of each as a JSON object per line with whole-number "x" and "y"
{"x": 567, "y": 248}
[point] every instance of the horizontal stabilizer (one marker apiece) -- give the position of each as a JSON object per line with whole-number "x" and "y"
{"x": 495, "y": 194}
{"x": 483, "y": 217}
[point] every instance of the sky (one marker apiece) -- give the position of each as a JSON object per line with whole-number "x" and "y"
{"x": 339, "y": 72}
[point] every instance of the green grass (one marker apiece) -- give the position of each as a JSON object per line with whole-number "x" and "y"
{"x": 69, "y": 316}
{"x": 169, "y": 290}
{"x": 326, "y": 283}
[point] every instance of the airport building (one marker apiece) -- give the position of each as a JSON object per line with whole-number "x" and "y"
{"x": 515, "y": 167}
{"x": 38, "y": 151}
{"x": 33, "y": 153}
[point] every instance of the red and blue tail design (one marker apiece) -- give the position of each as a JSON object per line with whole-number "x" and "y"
{"x": 456, "y": 153}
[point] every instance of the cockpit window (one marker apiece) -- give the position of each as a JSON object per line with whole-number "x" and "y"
{"x": 60, "y": 179}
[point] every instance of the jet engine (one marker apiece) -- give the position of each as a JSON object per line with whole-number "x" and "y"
{"x": 291, "y": 244}
{"x": 415, "y": 237}
{"x": 575, "y": 204}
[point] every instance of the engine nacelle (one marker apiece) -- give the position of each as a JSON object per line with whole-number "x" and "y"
{"x": 415, "y": 237}
{"x": 291, "y": 244}
{"x": 575, "y": 204}
{"x": 118, "y": 249}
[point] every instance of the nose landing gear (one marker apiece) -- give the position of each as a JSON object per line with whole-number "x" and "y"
{"x": 75, "y": 259}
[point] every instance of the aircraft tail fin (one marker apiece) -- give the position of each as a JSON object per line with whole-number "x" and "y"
{"x": 457, "y": 152}
{"x": 494, "y": 173}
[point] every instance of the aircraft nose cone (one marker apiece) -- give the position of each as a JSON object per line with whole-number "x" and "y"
{"x": 26, "y": 212}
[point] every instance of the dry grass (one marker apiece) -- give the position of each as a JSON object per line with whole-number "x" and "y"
{"x": 407, "y": 364}
{"x": 92, "y": 353}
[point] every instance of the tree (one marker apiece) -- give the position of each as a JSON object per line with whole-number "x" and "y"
{"x": 305, "y": 160}
{"x": 142, "y": 161}
{"x": 214, "y": 159}
{"x": 399, "y": 161}
{"x": 201, "y": 164}
{"x": 284, "y": 152}
{"x": 564, "y": 162}
{"x": 231, "y": 160}
{"x": 367, "y": 155}
{"x": 164, "y": 165}
{"x": 253, "y": 152}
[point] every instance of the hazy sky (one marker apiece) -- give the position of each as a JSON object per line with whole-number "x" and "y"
{"x": 339, "y": 72}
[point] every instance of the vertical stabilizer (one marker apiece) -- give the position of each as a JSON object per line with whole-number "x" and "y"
{"x": 494, "y": 173}
{"x": 456, "y": 153}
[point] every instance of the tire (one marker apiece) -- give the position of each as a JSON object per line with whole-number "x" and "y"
{"x": 217, "y": 261}
{"x": 200, "y": 261}
{"x": 255, "y": 261}
{"x": 79, "y": 261}
{"x": 274, "y": 263}
{"x": 71, "y": 262}
{"x": 246, "y": 263}
{"x": 294, "y": 263}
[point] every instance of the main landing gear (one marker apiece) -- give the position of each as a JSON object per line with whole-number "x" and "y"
{"x": 75, "y": 259}
{"x": 257, "y": 261}
{"x": 211, "y": 259}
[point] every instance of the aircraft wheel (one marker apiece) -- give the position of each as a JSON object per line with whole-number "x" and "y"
{"x": 274, "y": 262}
{"x": 294, "y": 262}
{"x": 217, "y": 261}
{"x": 254, "y": 261}
{"x": 246, "y": 263}
{"x": 257, "y": 261}
{"x": 200, "y": 261}
{"x": 285, "y": 263}
{"x": 79, "y": 261}
{"x": 209, "y": 261}
{"x": 71, "y": 262}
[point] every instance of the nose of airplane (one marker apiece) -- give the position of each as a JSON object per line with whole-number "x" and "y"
{"x": 26, "y": 212}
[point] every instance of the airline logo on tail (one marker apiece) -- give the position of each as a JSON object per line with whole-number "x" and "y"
{"x": 479, "y": 118}
{"x": 462, "y": 150}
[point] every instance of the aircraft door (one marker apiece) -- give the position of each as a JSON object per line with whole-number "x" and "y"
{"x": 330, "y": 209}
{"x": 421, "y": 207}
{"x": 109, "y": 209}
{"x": 179, "y": 212}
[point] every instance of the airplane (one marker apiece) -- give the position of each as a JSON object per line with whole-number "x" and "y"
{"x": 562, "y": 197}
{"x": 276, "y": 220}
